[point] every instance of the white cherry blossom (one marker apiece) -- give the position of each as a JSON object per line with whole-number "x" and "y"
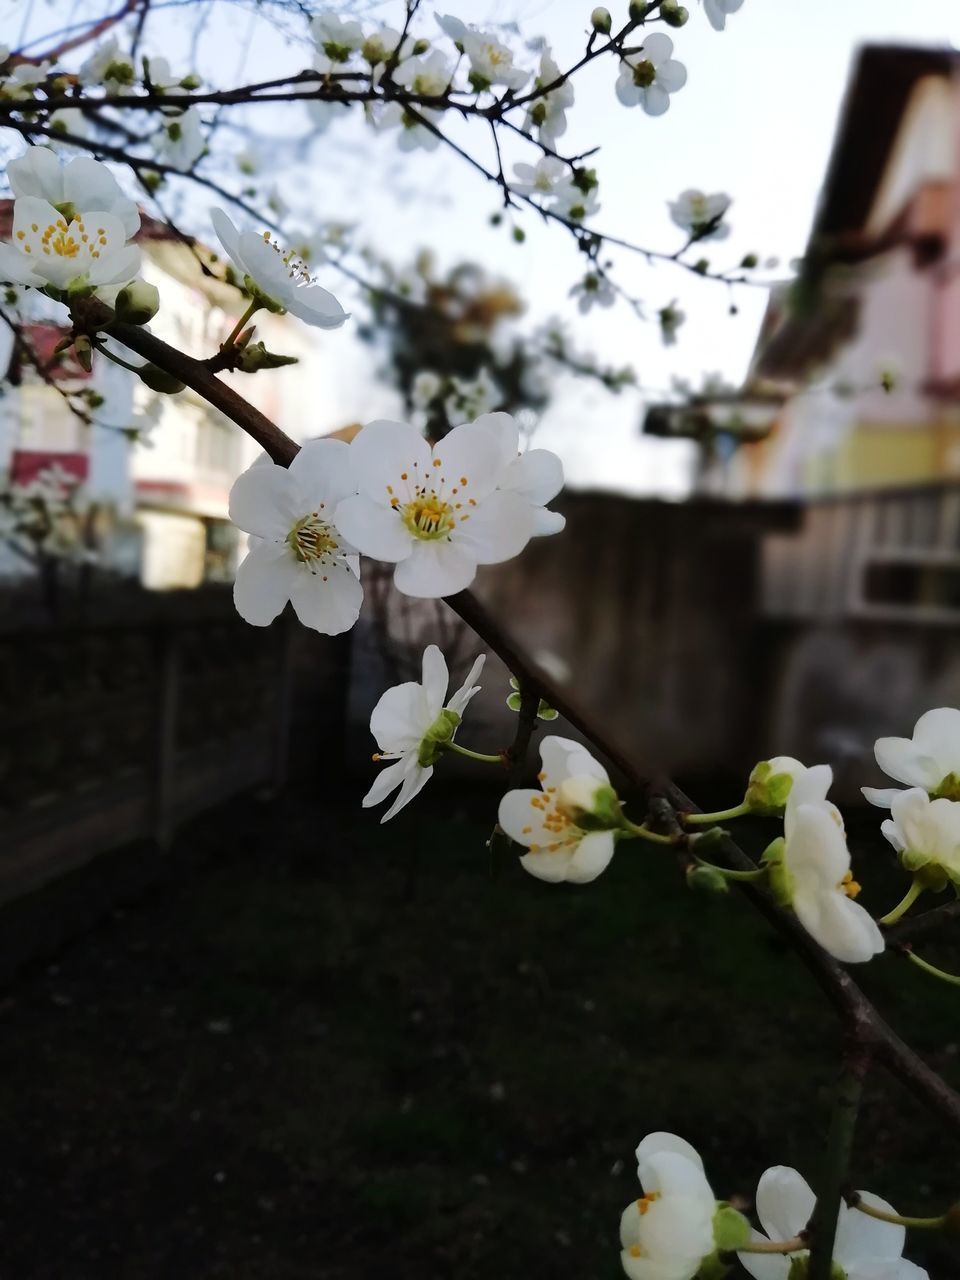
{"x": 180, "y": 143}
{"x": 427, "y": 74}
{"x": 592, "y": 291}
{"x": 812, "y": 874}
{"x": 411, "y": 724}
{"x": 930, "y": 759}
{"x": 783, "y": 779}
{"x": 925, "y": 832}
{"x": 278, "y": 275}
{"x": 108, "y": 66}
{"x": 23, "y": 79}
{"x": 572, "y": 202}
{"x": 668, "y": 1231}
{"x": 437, "y": 513}
{"x": 337, "y": 37}
{"x": 297, "y": 553}
{"x": 718, "y": 10}
{"x": 470, "y": 399}
{"x": 84, "y": 184}
{"x": 548, "y": 113}
{"x": 414, "y": 134}
{"x": 539, "y": 179}
{"x": 48, "y": 248}
{"x": 701, "y": 215}
{"x": 865, "y": 1248}
{"x": 647, "y": 78}
{"x": 557, "y": 848}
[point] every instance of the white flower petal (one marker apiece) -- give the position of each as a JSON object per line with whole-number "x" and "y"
{"x": 537, "y": 474}
{"x": 469, "y": 459}
{"x": 263, "y": 502}
{"x": 882, "y": 797}
{"x": 784, "y": 1202}
{"x": 551, "y": 867}
{"x": 657, "y": 48}
{"x": 522, "y": 819}
{"x": 860, "y": 1236}
{"x": 373, "y": 529}
{"x": 227, "y": 234}
{"x": 315, "y": 305}
{"x": 672, "y": 76}
{"x": 657, "y": 1143}
{"x": 415, "y": 779}
{"x": 461, "y": 698}
{"x": 434, "y": 569}
{"x": 323, "y": 473}
{"x": 899, "y": 759}
{"x": 655, "y": 100}
{"x": 381, "y": 453}
{"x": 264, "y": 580}
{"x": 435, "y": 679}
{"x": 400, "y": 718}
{"x": 385, "y": 782}
{"x": 591, "y": 857}
{"x": 499, "y": 529}
{"x": 328, "y": 603}
{"x": 765, "y": 1266}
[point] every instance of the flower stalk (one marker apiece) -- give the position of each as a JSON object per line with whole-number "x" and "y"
{"x": 905, "y": 903}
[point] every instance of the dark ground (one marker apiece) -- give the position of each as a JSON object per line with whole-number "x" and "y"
{"x": 324, "y": 1048}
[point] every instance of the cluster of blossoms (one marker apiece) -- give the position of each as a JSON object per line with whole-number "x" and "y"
{"x": 437, "y": 513}
{"x": 677, "y": 1229}
{"x": 46, "y": 516}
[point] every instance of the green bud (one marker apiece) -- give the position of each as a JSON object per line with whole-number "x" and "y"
{"x": 159, "y": 380}
{"x": 254, "y": 356}
{"x": 519, "y": 235}
{"x": 538, "y": 113}
{"x": 436, "y": 738}
{"x": 637, "y": 11}
{"x": 175, "y": 131}
{"x": 706, "y": 880}
{"x": 731, "y": 1230}
{"x": 420, "y": 46}
{"x": 190, "y": 82}
{"x": 673, "y": 14}
{"x": 478, "y": 82}
{"x": 702, "y": 266}
{"x": 713, "y": 1268}
{"x": 83, "y": 350}
{"x": 151, "y": 179}
{"x": 94, "y": 399}
{"x": 749, "y": 261}
{"x": 778, "y": 875}
{"x": 586, "y": 180}
{"x": 888, "y": 380}
{"x": 767, "y": 791}
{"x": 601, "y": 21}
{"x": 137, "y": 303}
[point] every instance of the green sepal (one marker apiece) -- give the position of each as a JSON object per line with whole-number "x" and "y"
{"x": 767, "y": 791}
{"x": 779, "y": 877}
{"x": 262, "y": 299}
{"x": 434, "y": 741}
{"x": 947, "y": 789}
{"x": 731, "y": 1230}
{"x": 706, "y": 880}
{"x": 713, "y": 1267}
{"x": 159, "y": 380}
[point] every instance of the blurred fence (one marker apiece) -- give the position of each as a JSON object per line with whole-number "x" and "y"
{"x": 121, "y": 726}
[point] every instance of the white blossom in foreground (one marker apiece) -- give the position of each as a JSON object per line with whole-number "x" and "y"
{"x": 810, "y": 871}
{"x": 280, "y": 277}
{"x": 536, "y": 476}
{"x": 865, "y": 1248}
{"x": 436, "y": 513}
{"x": 930, "y": 759}
{"x": 593, "y": 291}
{"x": 412, "y": 723}
{"x": 718, "y": 10}
{"x": 297, "y": 553}
{"x": 85, "y": 185}
{"x": 701, "y": 215}
{"x": 668, "y": 1231}
{"x": 82, "y": 250}
{"x": 547, "y": 822}
{"x": 180, "y": 143}
{"x": 538, "y": 179}
{"x": 649, "y": 77}
{"x": 925, "y": 832}
{"x": 548, "y": 113}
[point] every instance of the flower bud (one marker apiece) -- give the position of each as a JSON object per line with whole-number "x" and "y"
{"x": 636, "y": 11}
{"x": 590, "y": 802}
{"x": 83, "y": 350}
{"x": 769, "y": 786}
{"x": 601, "y": 21}
{"x": 749, "y": 261}
{"x": 255, "y": 356}
{"x": 706, "y": 880}
{"x": 673, "y": 14}
{"x": 137, "y": 303}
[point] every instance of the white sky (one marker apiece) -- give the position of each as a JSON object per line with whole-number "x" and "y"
{"x": 755, "y": 119}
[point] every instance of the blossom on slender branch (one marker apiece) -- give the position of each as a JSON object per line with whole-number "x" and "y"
{"x": 180, "y": 142}
{"x": 82, "y": 184}
{"x": 336, "y": 37}
{"x": 469, "y": 399}
{"x": 436, "y": 513}
{"x": 593, "y": 290}
{"x": 547, "y": 113}
{"x": 562, "y": 843}
{"x": 491, "y": 61}
{"x": 80, "y": 251}
{"x": 280, "y": 279}
{"x": 413, "y": 723}
{"x": 670, "y": 318}
{"x": 926, "y": 834}
{"x": 810, "y": 872}
{"x": 568, "y": 200}
{"x": 864, "y": 1249}
{"x": 23, "y": 79}
{"x": 668, "y": 1231}
{"x": 930, "y": 759}
{"x": 297, "y": 553}
{"x": 109, "y": 67}
{"x": 647, "y": 78}
{"x": 538, "y": 179}
{"x": 718, "y": 11}
{"x": 701, "y": 215}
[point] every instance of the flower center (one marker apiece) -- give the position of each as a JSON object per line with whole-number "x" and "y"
{"x": 644, "y": 1203}
{"x": 849, "y": 886}
{"x": 312, "y": 541}
{"x": 296, "y": 267}
{"x": 554, "y": 820}
{"x": 428, "y": 516}
{"x": 644, "y": 74}
{"x": 63, "y": 239}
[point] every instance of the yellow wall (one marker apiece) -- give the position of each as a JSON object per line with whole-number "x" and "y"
{"x": 873, "y": 457}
